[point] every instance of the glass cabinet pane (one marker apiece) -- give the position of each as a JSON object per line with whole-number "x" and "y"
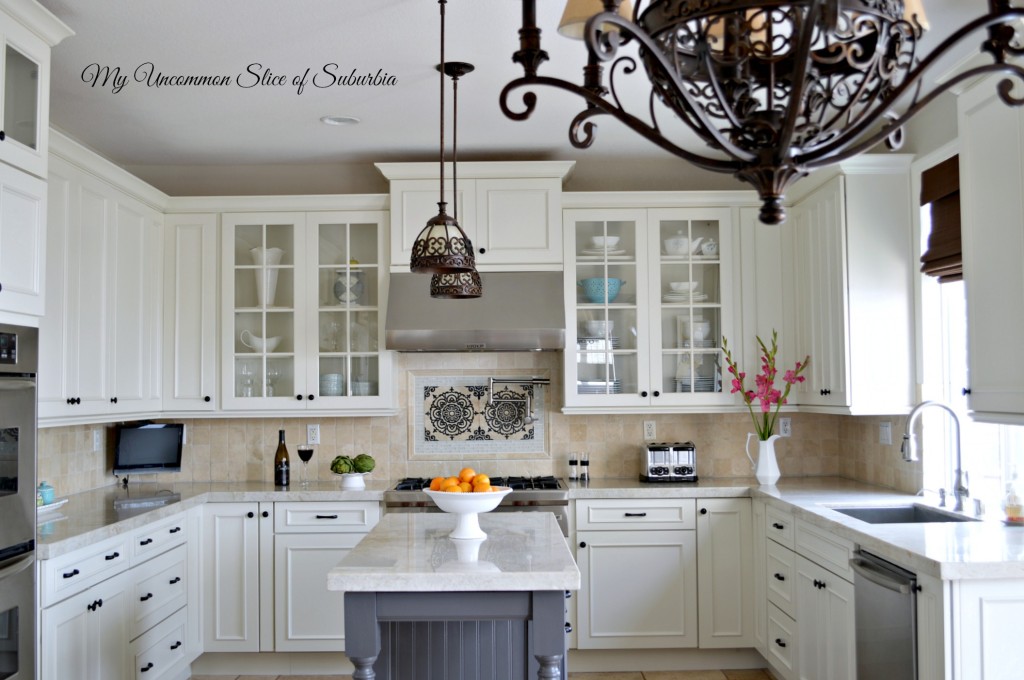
{"x": 21, "y": 98}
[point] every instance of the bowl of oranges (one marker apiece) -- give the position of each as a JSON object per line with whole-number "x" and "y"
{"x": 466, "y": 495}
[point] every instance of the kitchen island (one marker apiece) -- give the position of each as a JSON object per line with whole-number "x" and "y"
{"x": 419, "y": 604}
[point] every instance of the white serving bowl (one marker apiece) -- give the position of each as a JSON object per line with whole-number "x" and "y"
{"x": 606, "y": 242}
{"x": 600, "y": 328}
{"x": 352, "y": 480}
{"x": 258, "y": 344}
{"x": 678, "y": 245}
{"x": 467, "y": 505}
{"x": 683, "y": 286}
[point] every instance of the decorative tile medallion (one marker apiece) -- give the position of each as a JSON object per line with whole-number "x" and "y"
{"x": 458, "y": 414}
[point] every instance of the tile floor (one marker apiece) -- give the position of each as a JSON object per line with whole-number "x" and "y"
{"x": 636, "y": 675}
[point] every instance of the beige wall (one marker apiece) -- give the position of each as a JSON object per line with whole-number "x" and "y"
{"x": 229, "y": 449}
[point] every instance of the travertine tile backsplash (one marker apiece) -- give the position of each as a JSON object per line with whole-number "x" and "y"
{"x": 243, "y": 449}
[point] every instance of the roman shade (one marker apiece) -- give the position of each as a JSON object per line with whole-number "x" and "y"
{"x": 940, "y": 190}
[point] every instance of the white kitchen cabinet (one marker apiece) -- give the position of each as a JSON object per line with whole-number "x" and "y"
{"x": 27, "y": 32}
{"x": 510, "y": 211}
{"x": 725, "y": 573}
{"x": 302, "y": 327}
{"x": 848, "y": 267}
{"x": 86, "y": 635}
{"x": 992, "y": 210}
{"x": 238, "y": 580}
{"x": 161, "y": 653}
{"x": 22, "y": 242}
{"x": 825, "y": 623}
{"x": 986, "y": 645}
{"x": 783, "y": 645}
{"x": 760, "y": 559}
{"x": 159, "y": 588}
{"x": 645, "y": 345}
{"x": 638, "y": 568}
{"x": 190, "y": 312}
{"x": 101, "y": 330}
{"x": 934, "y": 638}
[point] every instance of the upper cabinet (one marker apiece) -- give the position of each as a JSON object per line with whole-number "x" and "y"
{"x": 510, "y": 211}
{"x": 848, "y": 270}
{"x": 22, "y": 242}
{"x": 303, "y": 295}
{"x": 27, "y": 32}
{"x": 650, "y": 293}
{"x": 992, "y": 208}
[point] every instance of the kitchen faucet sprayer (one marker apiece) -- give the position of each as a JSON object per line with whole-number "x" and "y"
{"x": 909, "y": 451}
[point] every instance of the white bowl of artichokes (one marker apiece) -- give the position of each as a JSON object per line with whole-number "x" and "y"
{"x": 353, "y": 470}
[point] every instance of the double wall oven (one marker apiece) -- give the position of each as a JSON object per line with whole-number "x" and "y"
{"x": 18, "y": 361}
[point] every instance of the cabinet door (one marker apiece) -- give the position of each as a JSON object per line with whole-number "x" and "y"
{"x": 231, "y": 573}
{"x": 725, "y": 572}
{"x": 607, "y": 324}
{"x": 190, "y": 312}
{"x": 308, "y": 617}
{"x": 638, "y": 589}
{"x": 934, "y": 639}
{"x": 25, "y": 97}
{"x": 22, "y": 241}
{"x": 58, "y": 332}
{"x": 817, "y": 238}
{"x": 519, "y": 221}
{"x": 825, "y": 618}
{"x": 263, "y": 328}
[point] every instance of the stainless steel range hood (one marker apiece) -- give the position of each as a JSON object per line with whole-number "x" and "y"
{"x": 519, "y": 311}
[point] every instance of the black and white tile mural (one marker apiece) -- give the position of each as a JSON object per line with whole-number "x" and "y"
{"x": 459, "y": 415}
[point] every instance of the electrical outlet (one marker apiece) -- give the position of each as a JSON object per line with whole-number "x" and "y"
{"x": 97, "y": 439}
{"x": 312, "y": 434}
{"x": 650, "y": 429}
{"x": 885, "y": 433}
{"x": 786, "y": 427}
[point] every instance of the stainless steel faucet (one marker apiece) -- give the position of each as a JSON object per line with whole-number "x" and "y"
{"x": 909, "y": 449}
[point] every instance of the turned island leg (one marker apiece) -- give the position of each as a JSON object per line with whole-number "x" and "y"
{"x": 549, "y": 633}
{"x": 362, "y": 634}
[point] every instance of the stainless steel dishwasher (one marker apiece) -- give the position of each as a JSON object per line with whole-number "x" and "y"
{"x": 885, "y": 600}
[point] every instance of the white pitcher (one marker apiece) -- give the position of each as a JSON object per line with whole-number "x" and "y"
{"x": 766, "y": 469}
{"x": 266, "y": 279}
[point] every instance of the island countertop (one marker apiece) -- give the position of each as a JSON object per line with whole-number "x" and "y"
{"x": 523, "y": 551}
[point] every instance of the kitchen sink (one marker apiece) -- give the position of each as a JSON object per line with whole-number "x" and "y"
{"x": 901, "y": 514}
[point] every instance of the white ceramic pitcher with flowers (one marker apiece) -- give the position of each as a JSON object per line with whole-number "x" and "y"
{"x": 766, "y": 468}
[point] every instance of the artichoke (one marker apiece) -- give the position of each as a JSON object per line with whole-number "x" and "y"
{"x": 364, "y": 462}
{"x": 342, "y": 465}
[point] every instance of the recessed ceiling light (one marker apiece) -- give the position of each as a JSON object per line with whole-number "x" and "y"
{"x": 339, "y": 120}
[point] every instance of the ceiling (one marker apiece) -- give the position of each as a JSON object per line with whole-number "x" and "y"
{"x": 146, "y": 128}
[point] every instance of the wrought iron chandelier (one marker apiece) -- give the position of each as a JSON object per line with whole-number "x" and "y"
{"x": 773, "y": 88}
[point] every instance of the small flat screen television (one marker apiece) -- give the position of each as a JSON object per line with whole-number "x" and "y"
{"x": 148, "y": 448}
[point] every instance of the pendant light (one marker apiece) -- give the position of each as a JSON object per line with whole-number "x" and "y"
{"x": 456, "y": 285}
{"x": 442, "y": 247}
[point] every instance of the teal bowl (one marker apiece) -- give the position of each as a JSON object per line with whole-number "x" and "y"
{"x": 594, "y": 289}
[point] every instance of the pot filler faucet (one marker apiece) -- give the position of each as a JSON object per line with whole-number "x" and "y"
{"x": 909, "y": 451}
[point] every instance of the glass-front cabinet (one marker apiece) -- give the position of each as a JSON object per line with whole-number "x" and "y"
{"x": 302, "y": 294}
{"x": 648, "y": 302}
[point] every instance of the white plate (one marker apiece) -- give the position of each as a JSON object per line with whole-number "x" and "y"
{"x": 40, "y": 509}
{"x": 602, "y": 251}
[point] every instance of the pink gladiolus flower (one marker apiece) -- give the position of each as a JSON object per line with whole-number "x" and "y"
{"x": 737, "y": 386}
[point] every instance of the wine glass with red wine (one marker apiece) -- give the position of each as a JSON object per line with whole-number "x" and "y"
{"x": 305, "y": 455}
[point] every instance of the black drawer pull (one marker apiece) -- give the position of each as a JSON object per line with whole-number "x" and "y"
{"x": 176, "y": 645}
{"x": 327, "y": 517}
{"x": 147, "y": 667}
{"x": 146, "y": 541}
{"x": 112, "y": 556}
{"x": 780, "y": 577}
{"x": 636, "y": 514}
{"x": 95, "y": 603}
{"x": 147, "y": 596}
{"x": 73, "y": 572}
{"x": 174, "y": 530}
{"x": 779, "y": 642}
{"x": 174, "y": 580}
{"x": 776, "y": 525}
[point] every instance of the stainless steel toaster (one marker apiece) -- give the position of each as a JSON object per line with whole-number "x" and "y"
{"x": 669, "y": 462}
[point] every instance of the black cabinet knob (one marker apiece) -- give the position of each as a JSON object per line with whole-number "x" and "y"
{"x": 78, "y": 400}
{"x": 266, "y": 513}
{"x": 3, "y": 135}
{"x": 250, "y": 515}
{"x": 206, "y": 399}
{"x": 965, "y": 391}
{"x": 657, "y": 393}
{"x": 583, "y": 544}
{"x": 568, "y": 627}
{"x": 298, "y": 397}
{"x": 113, "y": 400}
{"x": 482, "y": 250}
{"x": 644, "y": 393}
{"x": 311, "y": 397}
{"x": 703, "y": 511}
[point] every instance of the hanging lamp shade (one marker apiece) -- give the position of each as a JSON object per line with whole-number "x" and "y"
{"x": 456, "y": 285}
{"x": 574, "y": 18}
{"x": 442, "y": 247}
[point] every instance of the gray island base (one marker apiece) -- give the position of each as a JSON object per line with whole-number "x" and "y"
{"x": 420, "y": 605}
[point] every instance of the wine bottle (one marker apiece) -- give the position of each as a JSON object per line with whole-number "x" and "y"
{"x": 281, "y": 461}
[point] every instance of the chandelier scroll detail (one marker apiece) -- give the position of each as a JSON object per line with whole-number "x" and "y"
{"x": 772, "y": 89}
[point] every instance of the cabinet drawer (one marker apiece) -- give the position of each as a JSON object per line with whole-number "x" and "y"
{"x": 158, "y": 591}
{"x": 325, "y": 517}
{"x": 826, "y": 549}
{"x": 161, "y": 653}
{"x": 628, "y": 513}
{"x": 782, "y": 643}
{"x": 157, "y": 537}
{"x": 72, "y": 573}
{"x": 781, "y": 577}
{"x": 779, "y": 526}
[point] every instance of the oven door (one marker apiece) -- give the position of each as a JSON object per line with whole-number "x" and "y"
{"x": 17, "y": 461}
{"x": 17, "y": 618}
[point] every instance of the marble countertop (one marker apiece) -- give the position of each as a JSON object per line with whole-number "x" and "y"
{"x": 412, "y": 552}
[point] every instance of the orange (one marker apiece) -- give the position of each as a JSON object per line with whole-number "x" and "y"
{"x": 467, "y": 474}
{"x": 466, "y": 486}
{"x": 482, "y": 479}
{"x": 449, "y": 481}
{"x": 454, "y": 488}
{"x": 482, "y": 488}
{"x": 435, "y": 483}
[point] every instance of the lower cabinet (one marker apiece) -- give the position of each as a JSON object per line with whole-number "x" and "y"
{"x": 825, "y": 622}
{"x": 725, "y": 573}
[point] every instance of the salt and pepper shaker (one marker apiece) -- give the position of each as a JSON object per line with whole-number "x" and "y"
{"x": 573, "y": 462}
{"x": 584, "y": 467}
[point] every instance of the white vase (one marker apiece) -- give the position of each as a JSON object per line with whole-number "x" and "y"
{"x": 266, "y": 279}
{"x": 766, "y": 469}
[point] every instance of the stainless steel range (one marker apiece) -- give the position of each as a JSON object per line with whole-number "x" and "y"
{"x": 529, "y": 494}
